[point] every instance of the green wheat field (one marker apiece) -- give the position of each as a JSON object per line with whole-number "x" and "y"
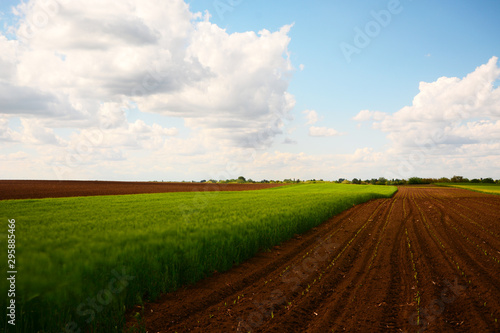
{"x": 82, "y": 261}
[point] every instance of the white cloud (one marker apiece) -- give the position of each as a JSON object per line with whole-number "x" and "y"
{"x": 112, "y": 115}
{"x": 311, "y": 116}
{"x": 449, "y": 120}
{"x": 243, "y": 99}
{"x": 82, "y": 65}
{"x": 34, "y": 132}
{"x": 6, "y": 133}
{"x": 323, "y": 131}
{"x": 89, "y": 55}
{"x": 136, "y": 135}
{"x": 366, "y": 115}
{"x": 447, "y": 103}
{"x": 19, "y": 156}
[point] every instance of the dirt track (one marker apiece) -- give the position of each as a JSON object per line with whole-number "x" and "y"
{"x": 36, "y": 189}
{"x": 427, "y": 259}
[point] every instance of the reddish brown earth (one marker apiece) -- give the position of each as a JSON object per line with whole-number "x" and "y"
{"x": 427, "y": 259}
{"x": 35, "y": 189}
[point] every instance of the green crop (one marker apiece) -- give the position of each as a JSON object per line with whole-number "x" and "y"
{"x": 82, "y": 261}
{"x": 486, "y": 188}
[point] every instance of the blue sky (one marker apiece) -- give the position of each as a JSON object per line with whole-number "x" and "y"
{"x": 363, "y": 119}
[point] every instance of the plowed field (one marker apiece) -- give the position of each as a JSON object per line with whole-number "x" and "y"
{"x": 36, "y": 189}
{"x": 427, "y": 259}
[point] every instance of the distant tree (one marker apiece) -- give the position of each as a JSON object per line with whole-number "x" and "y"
{"x": 487, "y": 181}
{"x": 415, "y": 180}
{"x": 459, "y": 179}
{"x": 345, "y": 181}
{"x": 241, "y": 180}
{"x": 444, "y": 180}
{"x": 381, "y": 181}
{"x": 373, "y": 181}
{"x": 340, "y": 180}
{"x": 393, "y": 182}
{"x": 203, "y": 181}
{"x": 475, "y": 180}
{"x": 356, "y": 181}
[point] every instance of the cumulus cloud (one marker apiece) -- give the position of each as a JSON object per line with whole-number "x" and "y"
{"x": 450, "y": 106}
{"x": 6, "y": 133}
{"x": 323, "y": 131}
{"x": 19, "y": 156}
{"x": 112, "y": 115}
{"x": 36, "y": 133}
{"x": 74, "y": 59}
{"x": 366, "y": 115}
{"x": 448, "y": 119}
{"x": 311, "y": 116}
{"x": 244, "y": 100}
{"x": 81, "y": 65}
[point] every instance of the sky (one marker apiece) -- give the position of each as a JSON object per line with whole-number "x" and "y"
{"x": 216, "y": 89}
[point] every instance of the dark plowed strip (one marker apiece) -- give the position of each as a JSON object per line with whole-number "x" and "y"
{"x": 37, "y": 189}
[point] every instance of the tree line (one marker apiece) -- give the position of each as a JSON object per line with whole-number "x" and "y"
{"x": 372, "y": 181}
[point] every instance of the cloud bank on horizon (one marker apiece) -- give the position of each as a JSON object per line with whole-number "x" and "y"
{"x": 451, "y": 120}
{"x": 150, "y": 89}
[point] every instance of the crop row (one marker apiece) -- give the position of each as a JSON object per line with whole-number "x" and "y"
{"x": 462, "y": 270}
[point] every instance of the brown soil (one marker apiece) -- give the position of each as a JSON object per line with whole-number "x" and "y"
{"x": 427, "y": 259}
{"x": 36, "y": 189}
